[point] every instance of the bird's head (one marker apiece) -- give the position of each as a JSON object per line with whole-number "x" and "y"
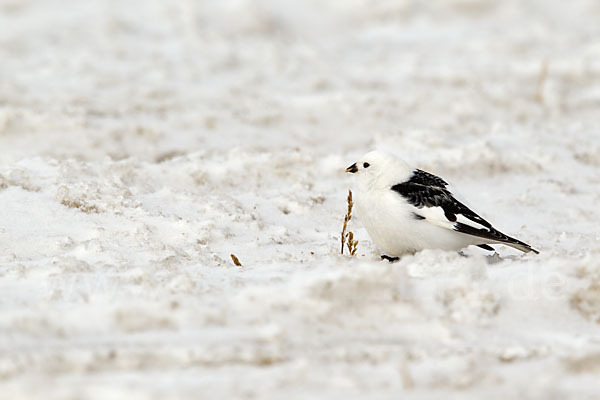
{"x": 378, "y": 168}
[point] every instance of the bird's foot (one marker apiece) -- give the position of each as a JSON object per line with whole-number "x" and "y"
{"x": 390, "y": 259}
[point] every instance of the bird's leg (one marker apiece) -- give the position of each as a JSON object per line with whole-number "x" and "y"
{"x": 390, "y": 259}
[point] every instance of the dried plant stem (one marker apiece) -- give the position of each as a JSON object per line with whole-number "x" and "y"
{"x": 352, "y": 244}
{"x": 235, "y": 260}
{"x": 347, "y": 218}
{"x": 347, "y": 239}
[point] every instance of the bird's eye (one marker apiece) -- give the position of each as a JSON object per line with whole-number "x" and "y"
{"x": 366, "y": 165}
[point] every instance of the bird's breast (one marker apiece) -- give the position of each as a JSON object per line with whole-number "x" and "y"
{"x": 387, "y": 219}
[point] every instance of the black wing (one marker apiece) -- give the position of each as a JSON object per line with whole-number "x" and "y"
{"x": 427, "y": 190}
{"x": 425, "y": 178}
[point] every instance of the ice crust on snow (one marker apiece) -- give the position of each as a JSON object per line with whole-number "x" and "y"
{"x": 144, "y": 142}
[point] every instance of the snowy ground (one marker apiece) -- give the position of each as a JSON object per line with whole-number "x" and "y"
{"x": 143, "y": 142}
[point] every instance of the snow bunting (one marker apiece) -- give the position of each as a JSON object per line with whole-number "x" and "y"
{"x": 406, "y": 210}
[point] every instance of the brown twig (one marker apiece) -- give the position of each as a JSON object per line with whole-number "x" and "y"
{"x": 352, "y": 244}
{"x": 347, "y": 239}
{"x": 235, "y": 260}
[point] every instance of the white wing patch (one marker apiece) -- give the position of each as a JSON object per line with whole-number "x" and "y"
{"x": 436, "y": 216}
{"x": 464, "y": 220}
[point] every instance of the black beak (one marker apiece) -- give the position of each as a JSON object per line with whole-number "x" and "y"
{"x": 353, "y": 168}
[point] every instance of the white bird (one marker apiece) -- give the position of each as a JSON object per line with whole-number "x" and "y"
{"x": 406, "y": 210}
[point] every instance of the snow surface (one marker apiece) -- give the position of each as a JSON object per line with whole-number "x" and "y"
{"x": 143, "y": 142}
